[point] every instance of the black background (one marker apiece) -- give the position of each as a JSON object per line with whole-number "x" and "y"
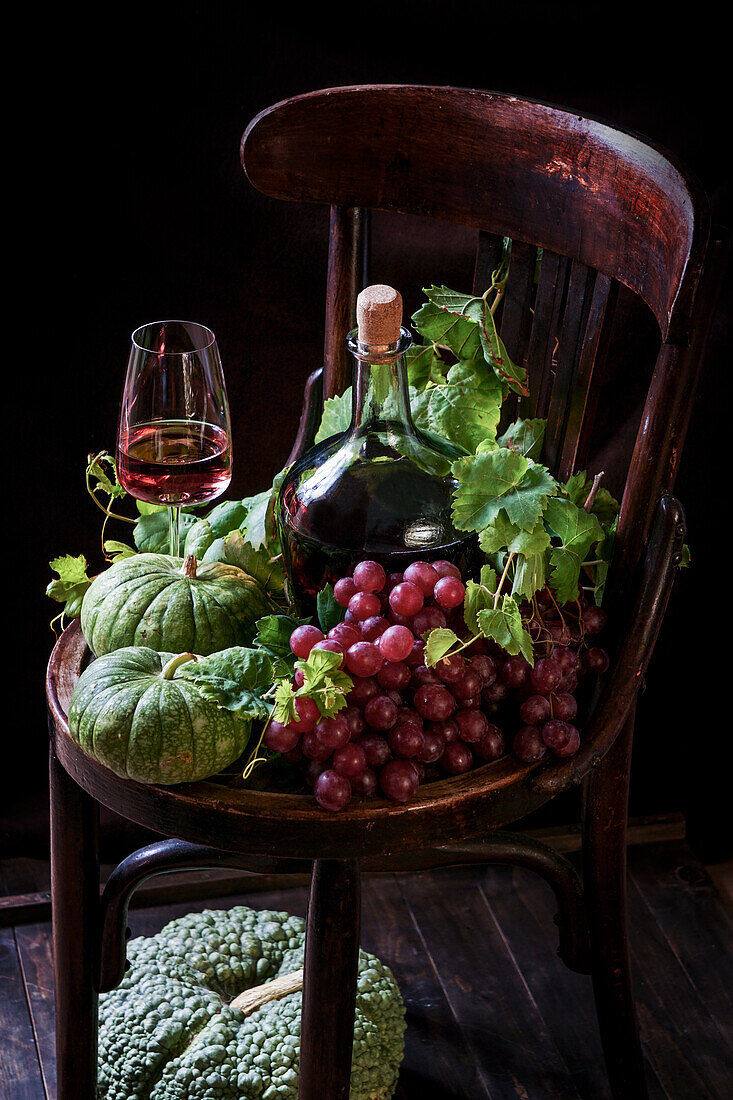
{"x": 132, "y": 206}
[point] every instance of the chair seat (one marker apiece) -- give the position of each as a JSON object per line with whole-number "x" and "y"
{"x": 282, "y": 824}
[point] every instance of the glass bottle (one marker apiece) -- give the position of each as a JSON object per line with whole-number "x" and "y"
{"x": 381, "y": 490}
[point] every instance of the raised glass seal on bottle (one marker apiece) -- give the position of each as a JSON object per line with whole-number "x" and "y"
{"x": 382, "y": 489}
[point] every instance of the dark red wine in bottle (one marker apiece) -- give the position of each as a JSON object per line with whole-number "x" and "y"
{"x": 174, "y": 461}
{"x": 382, "y": 489}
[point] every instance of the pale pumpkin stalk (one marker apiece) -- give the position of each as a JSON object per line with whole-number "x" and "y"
{"x": 252, "y": 999}
{"x": 168, "y": 671}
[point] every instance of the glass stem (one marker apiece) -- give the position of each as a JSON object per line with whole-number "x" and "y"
{"x": 174, "y": 528}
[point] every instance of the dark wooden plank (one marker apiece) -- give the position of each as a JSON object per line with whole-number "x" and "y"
{"x": 695, "y": 923}
{"x": 680, "y": 1037}
{"x": 544, "y": 334}
{"x": 437, "y": 1060}
{"x": 485, "y": 989}
{"x": 516, "y": 317}
{"x": 488, "y": 254}
{"x": 590, "y": 362}
{"x": 35, "y": 951}
{"x": 20, "y": 1071}
{"x": 581, "y": 279}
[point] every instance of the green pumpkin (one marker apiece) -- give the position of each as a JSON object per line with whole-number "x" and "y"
{"x": 172, "y": 604}
{"x": 129, "y": 712}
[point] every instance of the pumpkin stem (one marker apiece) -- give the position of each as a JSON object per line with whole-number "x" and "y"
{"x": 189, "y": 567}
{"x": 252, "y": 999}
{"x": 174, "y": 663}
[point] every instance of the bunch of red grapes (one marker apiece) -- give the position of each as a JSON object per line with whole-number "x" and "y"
{"x": 406, "y": 722}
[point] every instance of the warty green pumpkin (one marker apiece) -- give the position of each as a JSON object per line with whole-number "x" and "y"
{"x": 129, "y": 712}
{"x": 172, "y": 605}
{"x": 173, "y": 1029}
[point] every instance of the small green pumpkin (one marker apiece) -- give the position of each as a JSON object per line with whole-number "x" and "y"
{"x": 172, "y": 604}
{"x": 129, "y": 712}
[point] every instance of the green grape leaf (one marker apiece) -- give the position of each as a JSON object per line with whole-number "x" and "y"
{"x": 70, "y": 584}
{"x": 323, "y": 682}
{"x": 336, "y": 416}
{"x": 499, "y": 479}
{"x": 106, "y": 482}
{"x": 273, "y": 635}
{"x": 494, "y": 351}
{"x": 284, "y": 702}
{"x": 151, "y": 533}
{"x": 418, "y": 360}
{"x": 577, "y": 531}
{"x": 199, "y": 538}
{"x": 466, "y": 408}
{"x": 504, "y": 625}
{"x": 526, "y": 437}
{"x": 330, "y": 613}
{"x": 530, "y": 575}
{"x": 478, "y": 597}
{"x": 443, "y": 320}
{"x": 420, "y": 408}
{"x": 437, "y": 643}
{"x": 116, "y": 551}
{"x": 228, "y": 515}
{"x": 502, "y": 534}
{"x": 235, "y": 679}
{"x": 235, "y": 550}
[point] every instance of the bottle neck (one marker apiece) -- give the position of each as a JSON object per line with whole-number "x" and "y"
{"x": 380, "y": 392}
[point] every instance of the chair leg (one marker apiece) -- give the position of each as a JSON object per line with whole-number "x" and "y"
{"x": 75, "y": 911}
{"x": 605, "y": 811}
{"x": 329, "y": 986}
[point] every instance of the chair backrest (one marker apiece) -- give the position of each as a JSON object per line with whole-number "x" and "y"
{"x": 603, "y": 206}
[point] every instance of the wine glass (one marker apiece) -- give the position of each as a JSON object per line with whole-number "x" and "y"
{"x": 174, "y": 434}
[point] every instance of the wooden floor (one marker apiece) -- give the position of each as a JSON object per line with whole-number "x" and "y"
{"x": 491, "y": 1010}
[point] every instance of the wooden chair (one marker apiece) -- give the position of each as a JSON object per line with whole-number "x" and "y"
{"x": 606, "y": 208}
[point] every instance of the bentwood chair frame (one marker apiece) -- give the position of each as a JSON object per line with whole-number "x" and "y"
{"x": 606, "y": 208}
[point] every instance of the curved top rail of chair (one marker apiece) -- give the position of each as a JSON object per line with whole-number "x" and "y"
{"x": 508, "y": 165}
{"x": 287, "y": 825}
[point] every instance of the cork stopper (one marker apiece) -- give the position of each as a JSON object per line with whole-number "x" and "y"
{"x": 379, "y": 315}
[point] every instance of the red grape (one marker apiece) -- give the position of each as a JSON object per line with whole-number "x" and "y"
{"x": 407, "y": 714}
{"x": 595, "y": 660}
{"x": 594, "y": 620}
{"x": 451, "y": 669}
{"x": 396, "y": 643}
{"x": 486, "y": 668}
{"x": 456, "y": 759}
{"x": 355, "y": 720}
{"x": 394, "y": 675}
{"x": 303, "y": 639}
{"x": 564, "y": 706}
{"x": 331, "y": 647}
{"x": 447, "y": 729}
{"x": 364, "y": 605}
{"x": 333, "y": 791}
{"x": 423, "y": 576}
{"x": 392, "y": 581}
{"x": 380, "y": 713}
{"x": 468, "y": 686}
{"x": 343, "y": 590}
{"x": 399, "y": 780}
{"x": 406, "y": 740}
{"x": 364, "y": 784}
{"x": 434, "y": 702}
{"x": 528, "y": 745}
{"x": 369, "y": 576}
{"x": 345, "y": 634}
{"x": 376, "y": 749}
{"x": 313, "y": 748}
{"x": 429, "y": 618}
{"x": 307, "y": 713}
{"x": 350, "y": 760}
{"x": 417, "y": 657}
{"x": 446, "y": 569}
{"x": 571, "y": 746}
{"x": 332, "y": 733}
{"x": 406, "y": 599}
{"x": 535, "y": 710}
{"x": 280, "y": 738}
{"x": 373, "y": 628}
{"x": 496, "y": 692}
{"x": 449, "y": 592}
{"x": 515, "y": 670}
{"x": 472, "y": 725}
{"x": 423, "y": 675}
{"x": 492, "y": 745}
{"x": 545, "y": 676}
{"x": 431, "y": 749}
{"x": 364, "y": 659}
{"x": 556, "y": 734}
{"x": 364, "y": 689}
